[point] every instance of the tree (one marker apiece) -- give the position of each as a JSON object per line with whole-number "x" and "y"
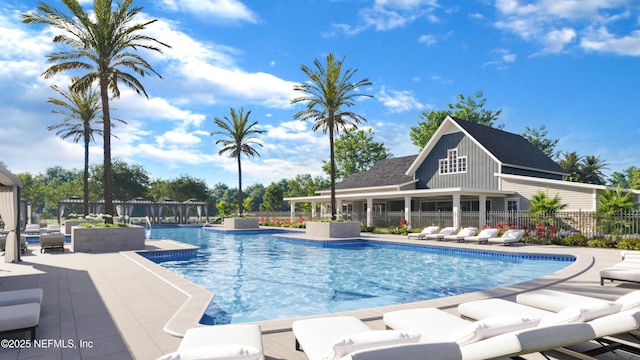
{"x": 305, "y": 185}
{"x": 256, "y": 192}
{"x": 129, "y": 181}
{"x": 469, "y": 108}
{"x": 240, "y": 138}
{"x": 542, "y": 203}
{"x": 103, "y": 43}
{"x": 272, "y": 199}
{"x": 538, "y": 137}
{"x": 325, "y": 95}
{"x": 611, "y": 202}
{"x": 571, "y": 164}
{"x": 355, "y": 151}
{"x": 591, "y": 170}
{"x": 81, "y": 110}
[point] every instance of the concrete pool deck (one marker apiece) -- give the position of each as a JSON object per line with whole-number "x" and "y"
{"x": 120, "y": 305}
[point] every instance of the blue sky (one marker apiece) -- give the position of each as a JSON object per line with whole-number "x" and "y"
{"x": 573, "y": 66}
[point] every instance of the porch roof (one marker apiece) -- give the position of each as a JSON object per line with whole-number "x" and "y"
{"x": 401, "y": 194}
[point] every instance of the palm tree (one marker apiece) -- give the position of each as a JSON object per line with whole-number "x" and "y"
{"x": 239, "y": 140}
{"x": 591, "y": 170}
{"x": 81, "y": 111}
{"x": 571, "y": 164}
{"x": 101, "y": 42}
{"x": 327, "y": 92}
{"x": 611, "y": 202}
{"x": 542, "y": 203}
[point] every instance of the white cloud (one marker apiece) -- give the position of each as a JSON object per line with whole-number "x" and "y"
{"x": 399, "y": 101}
{"x": 556, "y": 40}
{"x": 555, "y": 24}
{"x": 223, "y": 9}
{"x": 603, "y": 41}
{"x": 427, "y": 39}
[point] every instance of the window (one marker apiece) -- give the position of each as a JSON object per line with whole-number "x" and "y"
{"x": 512, "y": 204}
{"x": 453, "y": 164}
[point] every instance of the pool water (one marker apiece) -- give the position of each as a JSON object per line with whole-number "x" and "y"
{"x": 256, "y": 276}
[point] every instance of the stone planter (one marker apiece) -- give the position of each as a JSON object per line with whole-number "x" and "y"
{"x": 241, "y": 223}
{"x": 349, "y": 229}
{"x": 111, "y": 239}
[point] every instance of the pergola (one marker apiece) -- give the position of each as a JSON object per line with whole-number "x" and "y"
{"x": 153, "y": 211}
{"x": 10, "y": 213}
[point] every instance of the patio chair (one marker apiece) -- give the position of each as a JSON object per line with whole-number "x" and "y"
{"x": 483, "y": 236}
{"x": 626, "y": 270}
{"x": 53, "y": 229}
{"x": 51, "y": 241}
{"x": 426, "y": 231}
{"x": 32, "y": 229}
{"x": 468, "y": 231}
{"x": 444, "y": 232}
{"x": 553, "y": 300}
{"x": 509, "y": 237}
{"x": 23, "y": 243}
{"x": 347, "y": 337}
{"x": 228, "y": 342}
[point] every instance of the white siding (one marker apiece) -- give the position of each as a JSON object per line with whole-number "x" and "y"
{"x": 576, "y": 198}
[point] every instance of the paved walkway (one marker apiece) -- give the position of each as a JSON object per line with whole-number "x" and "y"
{"x": 121, "y": 306}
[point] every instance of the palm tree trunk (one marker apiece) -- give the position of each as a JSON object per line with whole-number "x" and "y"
{"x": 333, "y": 174}
{"x": 108, "y": 190}
{"x": 86, "y": 173}
{"x": 240, "y": 207}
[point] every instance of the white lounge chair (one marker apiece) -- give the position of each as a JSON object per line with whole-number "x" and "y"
{"x": 468, "y": 231}
{"x": 23, "y": 243}
{"x": 346, "y": 337}
{"x": 496, "y": 337}
{"x": 509, "y": 237}
{"x": 552, "y": 300}
{"x": 235, "y": 341}
{"x": 626, "y": 270}
{"x": 426, "y": 231}
{"x": 438, "y": 325}
{"x": 442, "y": 233}
{"x": 24, "y": 296}
{"x": 595, "y": 320}
{"x": 483, "y": 236}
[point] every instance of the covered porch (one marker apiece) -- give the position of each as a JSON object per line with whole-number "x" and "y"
{"x": 418, "y": 208}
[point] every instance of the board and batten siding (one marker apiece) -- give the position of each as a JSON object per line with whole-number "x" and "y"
{"x": 576, "y": 198}
{"x": 480, "y": 166}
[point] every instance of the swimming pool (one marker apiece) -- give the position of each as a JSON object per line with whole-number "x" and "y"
{"x": 256, "y": 276}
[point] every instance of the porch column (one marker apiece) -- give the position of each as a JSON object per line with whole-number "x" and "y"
{"x": 292, "y": 209}
{"x": 313, "y": 210}
{"x": 369, "y": 211}
{"x": 457, "y": 216}
{"x": 407, "y": 209}
{"x": 338, "y": 209}
{"x": 482, "y": 221}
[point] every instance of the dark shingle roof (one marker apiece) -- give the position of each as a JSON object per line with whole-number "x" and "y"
{"x": 510, "y": 149}
{"x": 383, "y": 173}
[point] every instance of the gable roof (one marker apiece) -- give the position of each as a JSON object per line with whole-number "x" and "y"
{"x": 506, "y": 148}
{"x": 387, "y": 172}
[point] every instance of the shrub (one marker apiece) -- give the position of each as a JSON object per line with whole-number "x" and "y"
{"x": 629, "y": 244}
{"x": 575, "y": 239}
{"x": 601, "y": 243}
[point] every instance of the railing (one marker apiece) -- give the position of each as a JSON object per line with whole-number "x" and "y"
{"x": 589, "y": 223}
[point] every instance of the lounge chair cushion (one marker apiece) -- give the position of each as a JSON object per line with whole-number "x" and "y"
{"x": 490, "y": 327}
{"x": 25, "y": 296}
{"x": 369, "y": 340}
{"x": 439, "y": 350}
{"x": 217, "y": 352}
{"x": 21, "y": 316}
{"x": 582, "y": 312}
{"x": 629, "y": 301}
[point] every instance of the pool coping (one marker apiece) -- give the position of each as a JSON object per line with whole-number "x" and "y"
{"x": 198, "y": 299}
